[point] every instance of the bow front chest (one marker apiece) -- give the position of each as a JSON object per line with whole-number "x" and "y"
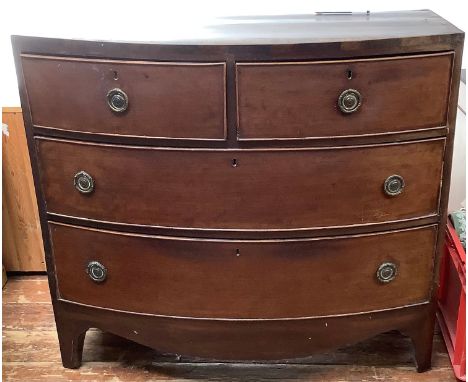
{"x": 266, "y": 189}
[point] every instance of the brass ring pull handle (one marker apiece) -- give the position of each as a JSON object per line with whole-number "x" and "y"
{"x": 96, "y": 271}
{"x": 83, "y": 182}
{"x": 349, "y": 101}
{"x": 386, "y": 272}
{"x": 394, "y": 185}
{"x": 117, "y": 100}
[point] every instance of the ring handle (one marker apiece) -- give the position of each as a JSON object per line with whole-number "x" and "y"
{"x": 96, "y": 271}
{"x": 83, "y": 182}
{"x": 349, "y": 101}
{"x": 394, "y": 185}
{"x": 387, "y": 272}
{"x": 117, "y": 100}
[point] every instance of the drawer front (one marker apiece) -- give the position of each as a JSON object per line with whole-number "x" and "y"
{"x": 167, "y": 100}
{"x": 300, "y": 100}
{"x": 263, "y": 189}
{"x": 243, "y": 279}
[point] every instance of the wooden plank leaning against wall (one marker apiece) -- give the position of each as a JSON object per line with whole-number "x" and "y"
{"x": 22, "y": 248}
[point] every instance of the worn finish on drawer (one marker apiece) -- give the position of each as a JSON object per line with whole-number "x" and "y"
{"x": 300, "y": 100}
{"x": 243, "y": 279}
{"x": 261, "y": 190}
{"x": 168, "y": 100}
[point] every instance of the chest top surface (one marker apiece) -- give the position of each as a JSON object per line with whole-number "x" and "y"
{"x": 282, "y": 29}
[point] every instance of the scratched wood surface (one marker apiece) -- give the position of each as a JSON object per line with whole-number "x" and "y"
{"x": 31, "y": 353}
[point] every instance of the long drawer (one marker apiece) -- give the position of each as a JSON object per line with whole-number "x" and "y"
{"x": 243, "y": 279}
{"x": 242, "y": 189}
{"x": 380, "y": 95}
{"x": 127, "y": 98}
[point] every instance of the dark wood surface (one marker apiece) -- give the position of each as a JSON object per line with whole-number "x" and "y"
{"x": 241, "y": 279}
{"x": 31, "y": 353}
{"x": 269, "y": 189}
{"x": 299, "y": 100}
{"x": 426, "y": 33}
{"x": 175, "y": 100}
{"x": 233, "y": 339}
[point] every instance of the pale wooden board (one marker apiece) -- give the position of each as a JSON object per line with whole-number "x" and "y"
{"x": 31, "y": 353}
{"x": 386, "y": 350}
{"x": 118, "y": 371}
{"x": 22, "y": 241}
{"x": 30, "y": 289}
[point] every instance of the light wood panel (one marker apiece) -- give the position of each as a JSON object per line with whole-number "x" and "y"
{"x": 22, "y": 248}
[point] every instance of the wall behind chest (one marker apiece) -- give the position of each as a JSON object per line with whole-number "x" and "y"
{"x": 62, "y": 20}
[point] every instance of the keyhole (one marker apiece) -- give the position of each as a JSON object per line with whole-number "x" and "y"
{"x": 116, "y": 75}
{"x": 235, "y": 163}
{"x": 349, "y": 74}
{"x": 237, "y": 253}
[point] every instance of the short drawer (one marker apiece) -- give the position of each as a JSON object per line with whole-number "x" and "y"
{"x": 243, "y": 279}
{"x": 381, "y": 95}
{"x": 126, "y": 98}
{"x": 241, "y": 189}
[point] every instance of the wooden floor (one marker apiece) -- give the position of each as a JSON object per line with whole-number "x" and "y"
{"x": 31, "y": 353}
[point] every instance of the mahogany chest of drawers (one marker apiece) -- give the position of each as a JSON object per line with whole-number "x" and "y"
{"x": 271, "y": 189}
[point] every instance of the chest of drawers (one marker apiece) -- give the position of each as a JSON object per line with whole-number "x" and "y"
{"x": 275, "y": 188}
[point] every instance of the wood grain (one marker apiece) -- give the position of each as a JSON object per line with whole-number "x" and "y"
{"x": 387, "y": 349}
{"x": 22, "y": 241}
{"x": 26, "y": 316}
{"x": 300, "y": 100}
{"x": 259, "y": 280}
{"x": 31, "y": 289}
{"x": 277, "y": 190}
{"x": 149, "y": 371}
{"x": 31, "y": 353}
{"x": 175, "y": 100}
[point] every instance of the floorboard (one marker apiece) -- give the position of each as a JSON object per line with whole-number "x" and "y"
{"x": 31, "y": 353}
